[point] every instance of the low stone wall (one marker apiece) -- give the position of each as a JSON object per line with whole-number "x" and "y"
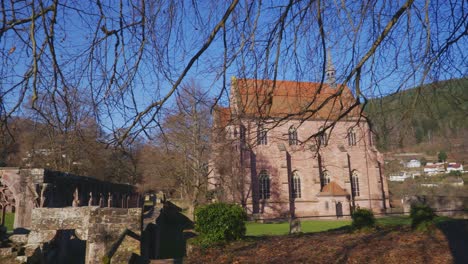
{"x": 112, "y": 233}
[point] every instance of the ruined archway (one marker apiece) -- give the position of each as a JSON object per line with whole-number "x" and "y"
{"x": 65, "y": 247}
{"x": 7, "y": 202}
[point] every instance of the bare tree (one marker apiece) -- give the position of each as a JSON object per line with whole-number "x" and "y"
{"x": 180, "y": 157}
{"x": 118, "y": 54}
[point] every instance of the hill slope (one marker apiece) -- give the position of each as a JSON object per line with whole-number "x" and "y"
{"x": 429, "y": 118}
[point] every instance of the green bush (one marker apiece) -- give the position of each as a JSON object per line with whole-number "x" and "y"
{"x": 219, "y": 222}
{"x": 363, "y": 218}
{"x": 421, "y": 216}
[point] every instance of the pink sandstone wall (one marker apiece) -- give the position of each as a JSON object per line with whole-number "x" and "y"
{"x": 364, "y": 158}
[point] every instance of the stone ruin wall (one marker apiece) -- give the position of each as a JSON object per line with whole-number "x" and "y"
{"x": 26, "y": 189}
{"x": 105, "y": 215}
{"x": 111, "y": 233}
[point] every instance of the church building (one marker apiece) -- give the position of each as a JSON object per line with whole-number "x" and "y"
{"x": 297, "y": 149}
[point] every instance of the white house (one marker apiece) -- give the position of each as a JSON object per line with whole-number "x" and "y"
{"x": 434, "y": 168}
{"x": 452, "y": 166}
{"x": 401, "y": 176}
{"x": 414, "y": 163}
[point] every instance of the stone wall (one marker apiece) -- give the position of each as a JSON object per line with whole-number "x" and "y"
{"x": 32, "y": 188}
{"x": 112, "y": 233}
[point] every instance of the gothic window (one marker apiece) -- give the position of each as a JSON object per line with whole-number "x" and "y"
{"x": 296, "y": 190}
{"x": 292, "y": 134}
{"x": 351, "y": 137}
{"x": 264, "y": 185}
{"x": 242, "y": 133}
{"x": 355, "y": 184}
{"x": 262, "y": 138}
{"x": 326, "y": 178}
{"x": 322, "y": 137}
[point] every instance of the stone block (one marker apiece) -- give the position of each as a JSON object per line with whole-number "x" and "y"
{"x": 22, "y": 259}
{"x": 38, "y": 237}
{"x": 6, "y": 251}
{"x": 19, "y": 238}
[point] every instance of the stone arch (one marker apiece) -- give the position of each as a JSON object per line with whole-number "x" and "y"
{"x": 65, "y": 247}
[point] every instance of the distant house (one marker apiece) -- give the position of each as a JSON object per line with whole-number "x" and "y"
{"x": 414, "y": 163}
{"x": 452, "y": 166}
{"x": 434, "y": 168}
{"x": 401, "y": 176}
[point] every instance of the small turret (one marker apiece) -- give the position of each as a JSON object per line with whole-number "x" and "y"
{"x": 330, "y": 70}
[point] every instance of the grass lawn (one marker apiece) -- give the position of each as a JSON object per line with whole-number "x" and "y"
{"x": 9, "y": 220}
{"x": 311, "y": 226}
{"x": 394, "y": 220}
{"x": 308, "y": 226}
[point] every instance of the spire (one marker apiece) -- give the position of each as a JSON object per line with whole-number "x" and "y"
{"x": 330, "y": 70}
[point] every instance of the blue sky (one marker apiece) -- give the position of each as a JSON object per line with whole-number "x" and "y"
{"x": 399, "y": 63}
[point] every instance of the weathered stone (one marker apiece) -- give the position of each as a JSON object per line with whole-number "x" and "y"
{"x": 19, "y": 238}
{"x": 6, "y": 251}
{"x": 106, "y": 230}
{"x": 295, "y": 226}
{"x": 22, "y": 259}
{"x": 31, "y": 188}
{"x": 40, "y": 236}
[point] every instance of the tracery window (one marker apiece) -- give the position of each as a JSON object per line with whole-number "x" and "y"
{"x": 296, "y": 190}
{"x": 351, "y": 137}
{"x": 326, "y": 178}
{"x": 322, "y": 137}
{"x": 262, "y": 137}
{"x": 355, "y": 184}
{"x": 264, "y": 185}
{"x": 292, "y": 135}
{"x": 242, "y": 133}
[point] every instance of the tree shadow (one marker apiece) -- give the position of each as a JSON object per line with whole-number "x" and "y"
{"x": 456, "y": 232}
{"x": 166, "y": 239}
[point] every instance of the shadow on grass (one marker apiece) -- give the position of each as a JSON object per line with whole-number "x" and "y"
{"x": 456, "y": 232}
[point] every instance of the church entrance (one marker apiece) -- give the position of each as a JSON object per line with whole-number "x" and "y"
{"x": 339, "y": 209}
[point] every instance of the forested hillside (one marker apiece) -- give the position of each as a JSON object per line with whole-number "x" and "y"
{"x": 429, "y": 118}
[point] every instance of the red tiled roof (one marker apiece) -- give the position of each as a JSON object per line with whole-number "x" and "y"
{"x": 454, "y": 165}
{"x": 333, "y": 189}
{"x": 223, "y": 116}
{"x": 267, "y": 98}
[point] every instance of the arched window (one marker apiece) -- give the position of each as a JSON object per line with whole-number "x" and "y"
{"x": 262, "y": 138}
{"x": 296, "y": 190}
{"x": 292, "y": 134}
{"x": 242, "y": 133}
{"x": 355, "y": 184}
{"x": 264, "y": 185}
{"x": 326, "y": 177}
{"x": 351, "y": 137}
{"x": 322, "y": 137}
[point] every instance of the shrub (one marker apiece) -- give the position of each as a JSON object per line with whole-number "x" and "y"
{"x": 220, "y": 222}
{"x": 422, "y": 216}
{"x": 363, "y": 218}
